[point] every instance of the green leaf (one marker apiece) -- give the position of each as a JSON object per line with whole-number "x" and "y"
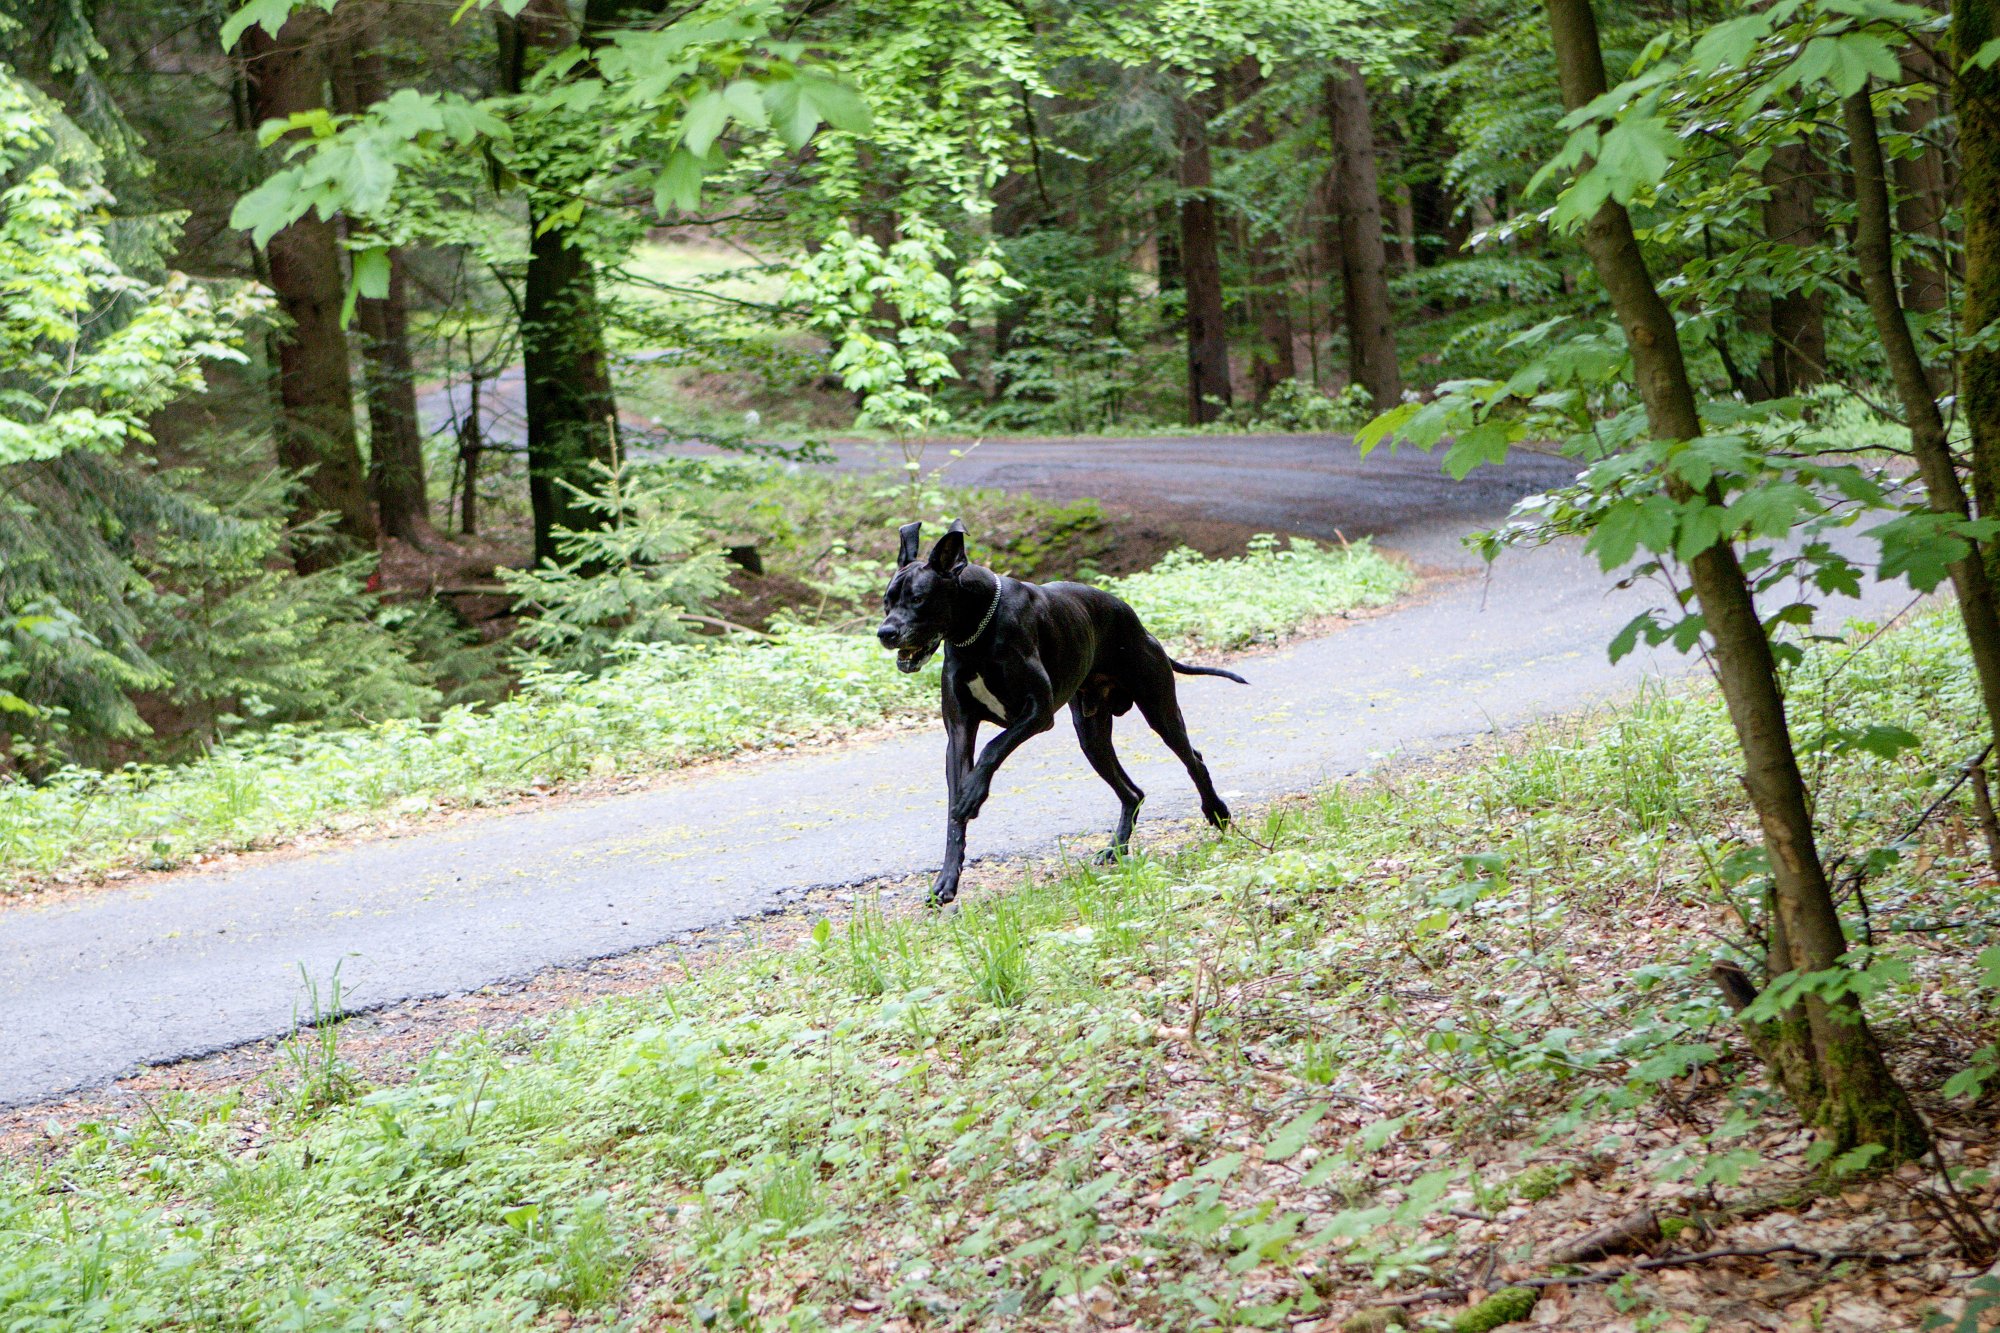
{"x": 270, "y": 15}
{"x": 791, "y": 111}
{"x": 1293, "y": 1135}
{"x": 1919, "y": 548}
{"x": 706, "y": 114}
{"x": 1627, "y": 639}
{"x": 1728, "y": 45}
{"x": 1484, "y": 444}
{"x": 839, "y": 104}
{"x": 679, "y": 183}
{"x": 1635, "y": 153}
{"x": 1882, "y": 739}
{"x": 1630, "y": 524}
{"x": 370, "y": 278}
{"x": 270, "y": 208}
{"x": 744, "y": 103}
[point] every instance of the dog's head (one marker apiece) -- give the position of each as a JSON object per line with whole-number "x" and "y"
{"x": 922, "y": 596}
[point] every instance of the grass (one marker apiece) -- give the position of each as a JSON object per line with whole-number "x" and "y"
{"x": 1265, "y": 1077}
{"x": 668, "y": 705}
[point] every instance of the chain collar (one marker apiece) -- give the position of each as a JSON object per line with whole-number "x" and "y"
{"x": 999, "y": 580}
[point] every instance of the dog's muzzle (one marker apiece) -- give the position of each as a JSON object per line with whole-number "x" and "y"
{"x": 913, "y": 658}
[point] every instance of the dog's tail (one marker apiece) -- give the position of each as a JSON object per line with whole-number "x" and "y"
{"x": 1186, "y": 670}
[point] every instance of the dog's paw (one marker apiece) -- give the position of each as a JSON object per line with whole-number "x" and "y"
{"x": 1111, "y": 856}
{"x": 970, "y": 802}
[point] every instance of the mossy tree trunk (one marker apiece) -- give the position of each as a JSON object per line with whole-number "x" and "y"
{"x": 1976, "y": 98}
{"x": 1861, "y": 1101}
{"x": 1943, "y": 491}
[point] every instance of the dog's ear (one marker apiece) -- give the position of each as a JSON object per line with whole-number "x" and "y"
{"x": 948, "y": 556}
{"x": 906, "y": 551}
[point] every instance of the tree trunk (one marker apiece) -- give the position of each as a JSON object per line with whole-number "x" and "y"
{"x": 1274, "y": 359}
{"x": 1862, "y": 1102}
{"x": 1798, "y": 324}
{"x": 1167, "y": 249}
{"x": 1924, "y": 191}
{"x": 1208, "y": 391}
{"x": 471, "y": 445}
{"x": 571, "y": 409}
{"x": 1371, "y": 341}
{"x": 315, "y": 435}
{"x": 1976, "y": 96}
{"x": 395, "y": 434}
{"x": 1928, "y": 439}
{"x": 1406, "y": 212}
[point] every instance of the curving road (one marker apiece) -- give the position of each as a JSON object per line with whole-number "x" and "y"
{"x": 92, "y": 987}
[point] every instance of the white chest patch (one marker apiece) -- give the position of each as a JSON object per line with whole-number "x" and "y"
{"x": 985, "y": 696}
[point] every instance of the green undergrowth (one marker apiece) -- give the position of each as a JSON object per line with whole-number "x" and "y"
{"x": 669, "y": 704}
{"x": 1222, "y": 1087}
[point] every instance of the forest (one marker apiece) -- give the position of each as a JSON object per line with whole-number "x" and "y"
{"x": 411, "y": 407}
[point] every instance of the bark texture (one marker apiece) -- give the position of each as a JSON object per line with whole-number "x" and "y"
{"x": 1371, "y": 338}
{"x": 315, "y": 436}
{"x": 1924, "y": 190}
{"x": 1208, "y": 386}
{"x": 1862, "y": 1103}
{"x": 395, "y": 435}
{"x": 1274, "y": 359}
{"x": 1928, "y": 439}
{"x": 1976, "y": 96}
{"x": 1798, "y": 323}
{"x": 571, "y": 408}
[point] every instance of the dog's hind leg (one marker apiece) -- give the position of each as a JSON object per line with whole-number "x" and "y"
{"x": 1093, "y": 733}
{"x": 1162, "y": 711}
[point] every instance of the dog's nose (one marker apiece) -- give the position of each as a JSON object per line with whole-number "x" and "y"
{"x": 887, "y": 635}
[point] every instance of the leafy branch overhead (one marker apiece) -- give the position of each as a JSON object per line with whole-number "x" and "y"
{"x": 652, "y": 108}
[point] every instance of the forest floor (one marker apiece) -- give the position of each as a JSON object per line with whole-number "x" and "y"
{"x": 1435, "y": 1046}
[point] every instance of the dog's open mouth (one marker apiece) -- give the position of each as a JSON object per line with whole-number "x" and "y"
{"x": 913, "y": 659}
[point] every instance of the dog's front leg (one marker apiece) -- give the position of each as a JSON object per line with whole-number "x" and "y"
{"x": 1036, "y": 718}
{"x": 961, "y": 735}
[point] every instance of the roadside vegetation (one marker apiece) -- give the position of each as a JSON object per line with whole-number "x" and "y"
{"x": 642, "y": 707}
{"x": 1401, "y": 1041}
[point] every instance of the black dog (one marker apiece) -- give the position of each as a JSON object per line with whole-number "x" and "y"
{"x": 1016, "y": 652}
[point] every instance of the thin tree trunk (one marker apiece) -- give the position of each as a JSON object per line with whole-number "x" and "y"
{"x": 1924, "y": 193}
{"x": 1371, "y": 340}
{"x": 315, "y": 435}
{"x": 1798, "y": 321}
{"x": 1406, "y": 212}
{"x": 571, "y": 408}
{"x": 1208, "y": 390}
{"x": 1167, "y": 249}
{"x": 1274, "y": 359}
{"x": 395, "y": 434}
{"x": 572, "y": 411}
{"x": 1976, "y": 96}
{"x": 471, "y": 444}
{"x": 1928, "y": 440}
{"x": 1862, "y": 1101}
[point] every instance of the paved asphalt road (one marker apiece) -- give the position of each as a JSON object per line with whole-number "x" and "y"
{"x": 91, "y": 987}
